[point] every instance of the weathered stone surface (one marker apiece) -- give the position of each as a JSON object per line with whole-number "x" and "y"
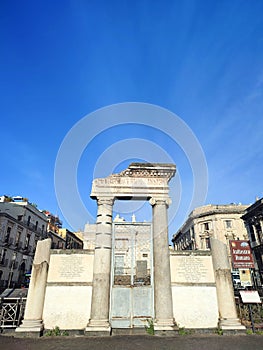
{"x": 195, "y": 306}
{"x": 67, "y": 307}
{"x": 189, "y": 267}
{"x": 193, "y": 289}
{"x": 225, "y": 293}
{"x": 139, "y": 181}
{"x": 73, "y": 267}
{"x": 32, "y": 322}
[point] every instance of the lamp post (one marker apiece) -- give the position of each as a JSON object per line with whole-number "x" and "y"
{"x": 11, "y": 270}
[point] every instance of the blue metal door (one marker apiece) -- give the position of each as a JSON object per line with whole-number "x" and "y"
{"x": 132, "y": 282}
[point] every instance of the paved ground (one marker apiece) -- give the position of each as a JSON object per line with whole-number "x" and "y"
{"x": 146, "y": 342}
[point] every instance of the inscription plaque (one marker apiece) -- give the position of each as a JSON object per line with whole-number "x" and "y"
{"x": 70, "y": 268}
{"x": 192, "y": 269}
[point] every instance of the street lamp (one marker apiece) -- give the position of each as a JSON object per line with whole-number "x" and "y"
{"x": 11, "y": 270}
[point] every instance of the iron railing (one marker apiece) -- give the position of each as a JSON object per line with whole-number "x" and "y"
{"x": 245, "y": 312}
{"x": 11, "y": 312}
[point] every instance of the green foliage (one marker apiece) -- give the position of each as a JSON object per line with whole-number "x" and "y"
{"x": 56, "y": 332}
{"x": 183, "y": 331}
{"x": 150, "y": 326}
{"x": 258, "y": 331}
{"x": 219, "y": 331}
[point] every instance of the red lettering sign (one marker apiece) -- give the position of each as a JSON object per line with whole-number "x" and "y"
{"x": 242, "y": 257}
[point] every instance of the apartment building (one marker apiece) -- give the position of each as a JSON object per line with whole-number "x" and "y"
{"x": 21, "y": 226}
{"x": 223, "y": 222}
{"x": 253, "y": 219}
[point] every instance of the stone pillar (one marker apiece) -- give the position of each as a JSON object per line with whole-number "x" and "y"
{"x": 228, "y": 319}
{"x": 33, "y": 323}
{"x": 100, "y": 302}
{"x": 163, "y": 304}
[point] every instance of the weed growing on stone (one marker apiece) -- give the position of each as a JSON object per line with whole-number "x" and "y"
{"x": 56, "y": 332}
{"x": 150, "y": 326}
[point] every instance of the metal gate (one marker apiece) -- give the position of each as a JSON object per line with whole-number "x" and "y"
{"x": 132, "y": 282}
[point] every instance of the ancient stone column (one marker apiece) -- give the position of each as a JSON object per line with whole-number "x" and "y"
{"x": 161, "y": 260}
{"x": 228, "y": 319}
{"x": 99, "y": 319}
{"x": 33, "y": 323}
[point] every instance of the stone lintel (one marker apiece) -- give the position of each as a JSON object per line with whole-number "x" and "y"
{"x": 139, "y": 181}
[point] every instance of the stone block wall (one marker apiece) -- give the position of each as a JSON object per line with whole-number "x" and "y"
{"x": 69, "y": 289}
{"x": 193, "y": 289}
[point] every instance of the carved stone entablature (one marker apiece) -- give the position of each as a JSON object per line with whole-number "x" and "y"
{"x": 138, "y": 181}
{"x": 142, "y": 170}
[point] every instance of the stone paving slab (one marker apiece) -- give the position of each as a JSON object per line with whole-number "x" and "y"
{"x": 185, "y": 342}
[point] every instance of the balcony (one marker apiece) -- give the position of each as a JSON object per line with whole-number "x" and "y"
{"x": 27, "y": 249}
{"x": 13, "y": 265}
{"x": 33, "y": 228}
{"x": 10, "y": 242}
{"x": 18, "y": 245}
{"x": 4, "y": 262}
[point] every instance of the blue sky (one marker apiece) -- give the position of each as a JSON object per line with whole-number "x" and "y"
{"x": 202, "y": 60}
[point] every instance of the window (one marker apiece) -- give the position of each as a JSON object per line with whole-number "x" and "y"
{"x": 228, "y": 224}
{"x": 207, "y": 243}
{"x": 19, "y": 217}
{"x": 258, "y": 228}
{"x": 18, "y": 238}
{"x": 35, "y": 246}
{"x": 10, "y": 277}
{"x": 28, "y": 220}
{"x": 2, "y": 256}
{"x": 259, "y": 232}
{"x": 206, "y": 226}
{"x": 27, "y": 240}
{"x": 193, "y": 232}
{"x": 119, "y": 265}
{"x": 252, "y": 233}
{"x": 36, "y": 225}
{"x": 144, "y": 255}
{"x": 8, "y": 231}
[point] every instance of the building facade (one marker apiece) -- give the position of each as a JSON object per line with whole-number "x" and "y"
{"x": 253, "y": 219}
{"x": 73, "y": 241}
{"x": 54, "y": 224}
{"x": 222, "y": 222}
{"x": 22, "y": 225}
